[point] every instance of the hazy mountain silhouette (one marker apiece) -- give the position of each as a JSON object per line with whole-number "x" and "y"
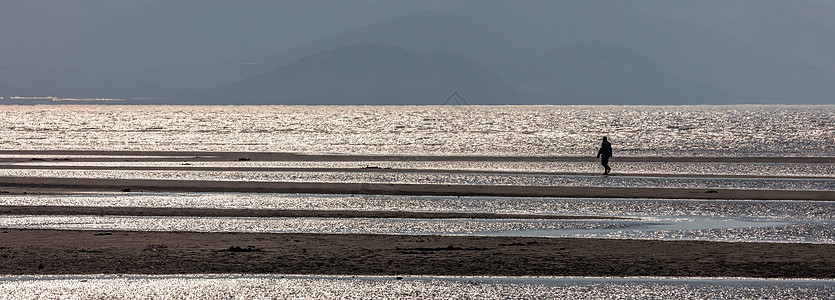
{"x": 599, "y": 72}
{"x": 483, "y": 40}
{"x": 712, "y": 12}
{"x": 804, "y": 29}
{"x": 795, "y": 28}
{"x": 769, "y": 51}
{"x": 142, "y": 47}
{"x": 39, "y": 55}
{"x": 790, "y": 34}
{"x": 369, "y": 74}
{"x": 499, "y": 34}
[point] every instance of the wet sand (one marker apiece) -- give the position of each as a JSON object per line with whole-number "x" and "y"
{"x": 106, "y": 252}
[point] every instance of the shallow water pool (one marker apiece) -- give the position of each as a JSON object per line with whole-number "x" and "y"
{"x": 709, "y": 220}
{"x": 207, "y": 286}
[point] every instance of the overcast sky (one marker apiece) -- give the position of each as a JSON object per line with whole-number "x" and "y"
{"x": 553, "y": 52}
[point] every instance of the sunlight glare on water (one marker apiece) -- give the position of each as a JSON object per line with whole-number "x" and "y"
{"x": 749, "y": 169}
{"x": 344, "y": 287}
{"x": 680, "y": 228}
{"x": 693, "y": 228}
{"x": 746, "y": 130}
{"x": 818, "y": 184}
{"x": 774, "y": 210}
{"x": 712, "y": 220}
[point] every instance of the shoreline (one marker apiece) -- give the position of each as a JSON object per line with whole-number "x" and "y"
{"x": 40, "y": 252}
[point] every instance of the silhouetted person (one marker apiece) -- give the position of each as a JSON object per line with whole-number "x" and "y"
{"x": 604, "y": 154}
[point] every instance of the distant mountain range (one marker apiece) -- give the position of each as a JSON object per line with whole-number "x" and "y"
{"x": 497, "y": 51}
{"x": 604, "y": 73}
{"x": 369, "y": 74}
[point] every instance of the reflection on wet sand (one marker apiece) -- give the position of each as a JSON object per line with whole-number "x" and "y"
{"x": 406, "y": 287}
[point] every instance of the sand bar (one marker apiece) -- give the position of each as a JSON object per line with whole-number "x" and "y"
{"x": 388, "y": 170}
{"x": 273, "y": 213}
{"x": 41, "y": 185}
{"x": 106, "y": 252}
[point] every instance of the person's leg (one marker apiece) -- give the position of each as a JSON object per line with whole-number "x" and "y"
{"x": 605, "y": 163}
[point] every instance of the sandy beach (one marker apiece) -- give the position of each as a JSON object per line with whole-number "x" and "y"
{"x": 106, "y": 252}
{"x": 34, "y": 251}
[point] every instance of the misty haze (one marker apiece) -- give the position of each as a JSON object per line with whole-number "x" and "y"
{"x": 510, "y": 52}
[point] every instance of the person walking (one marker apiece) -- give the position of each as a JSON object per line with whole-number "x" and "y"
{"x": 604, "y": 154}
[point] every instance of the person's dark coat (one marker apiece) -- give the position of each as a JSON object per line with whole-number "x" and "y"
{"x": 605, "y": 150}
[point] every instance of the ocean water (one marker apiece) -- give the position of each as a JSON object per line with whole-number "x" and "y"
{"x": 666, "y": 131}
{"x": 716, "y": 132}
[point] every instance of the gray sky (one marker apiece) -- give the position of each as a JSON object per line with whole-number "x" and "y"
{"x": 555, "y": 52}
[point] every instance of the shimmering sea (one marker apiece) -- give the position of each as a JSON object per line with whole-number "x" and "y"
{"x": 710, "y": 147}
{"x": 663, "y": 131}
